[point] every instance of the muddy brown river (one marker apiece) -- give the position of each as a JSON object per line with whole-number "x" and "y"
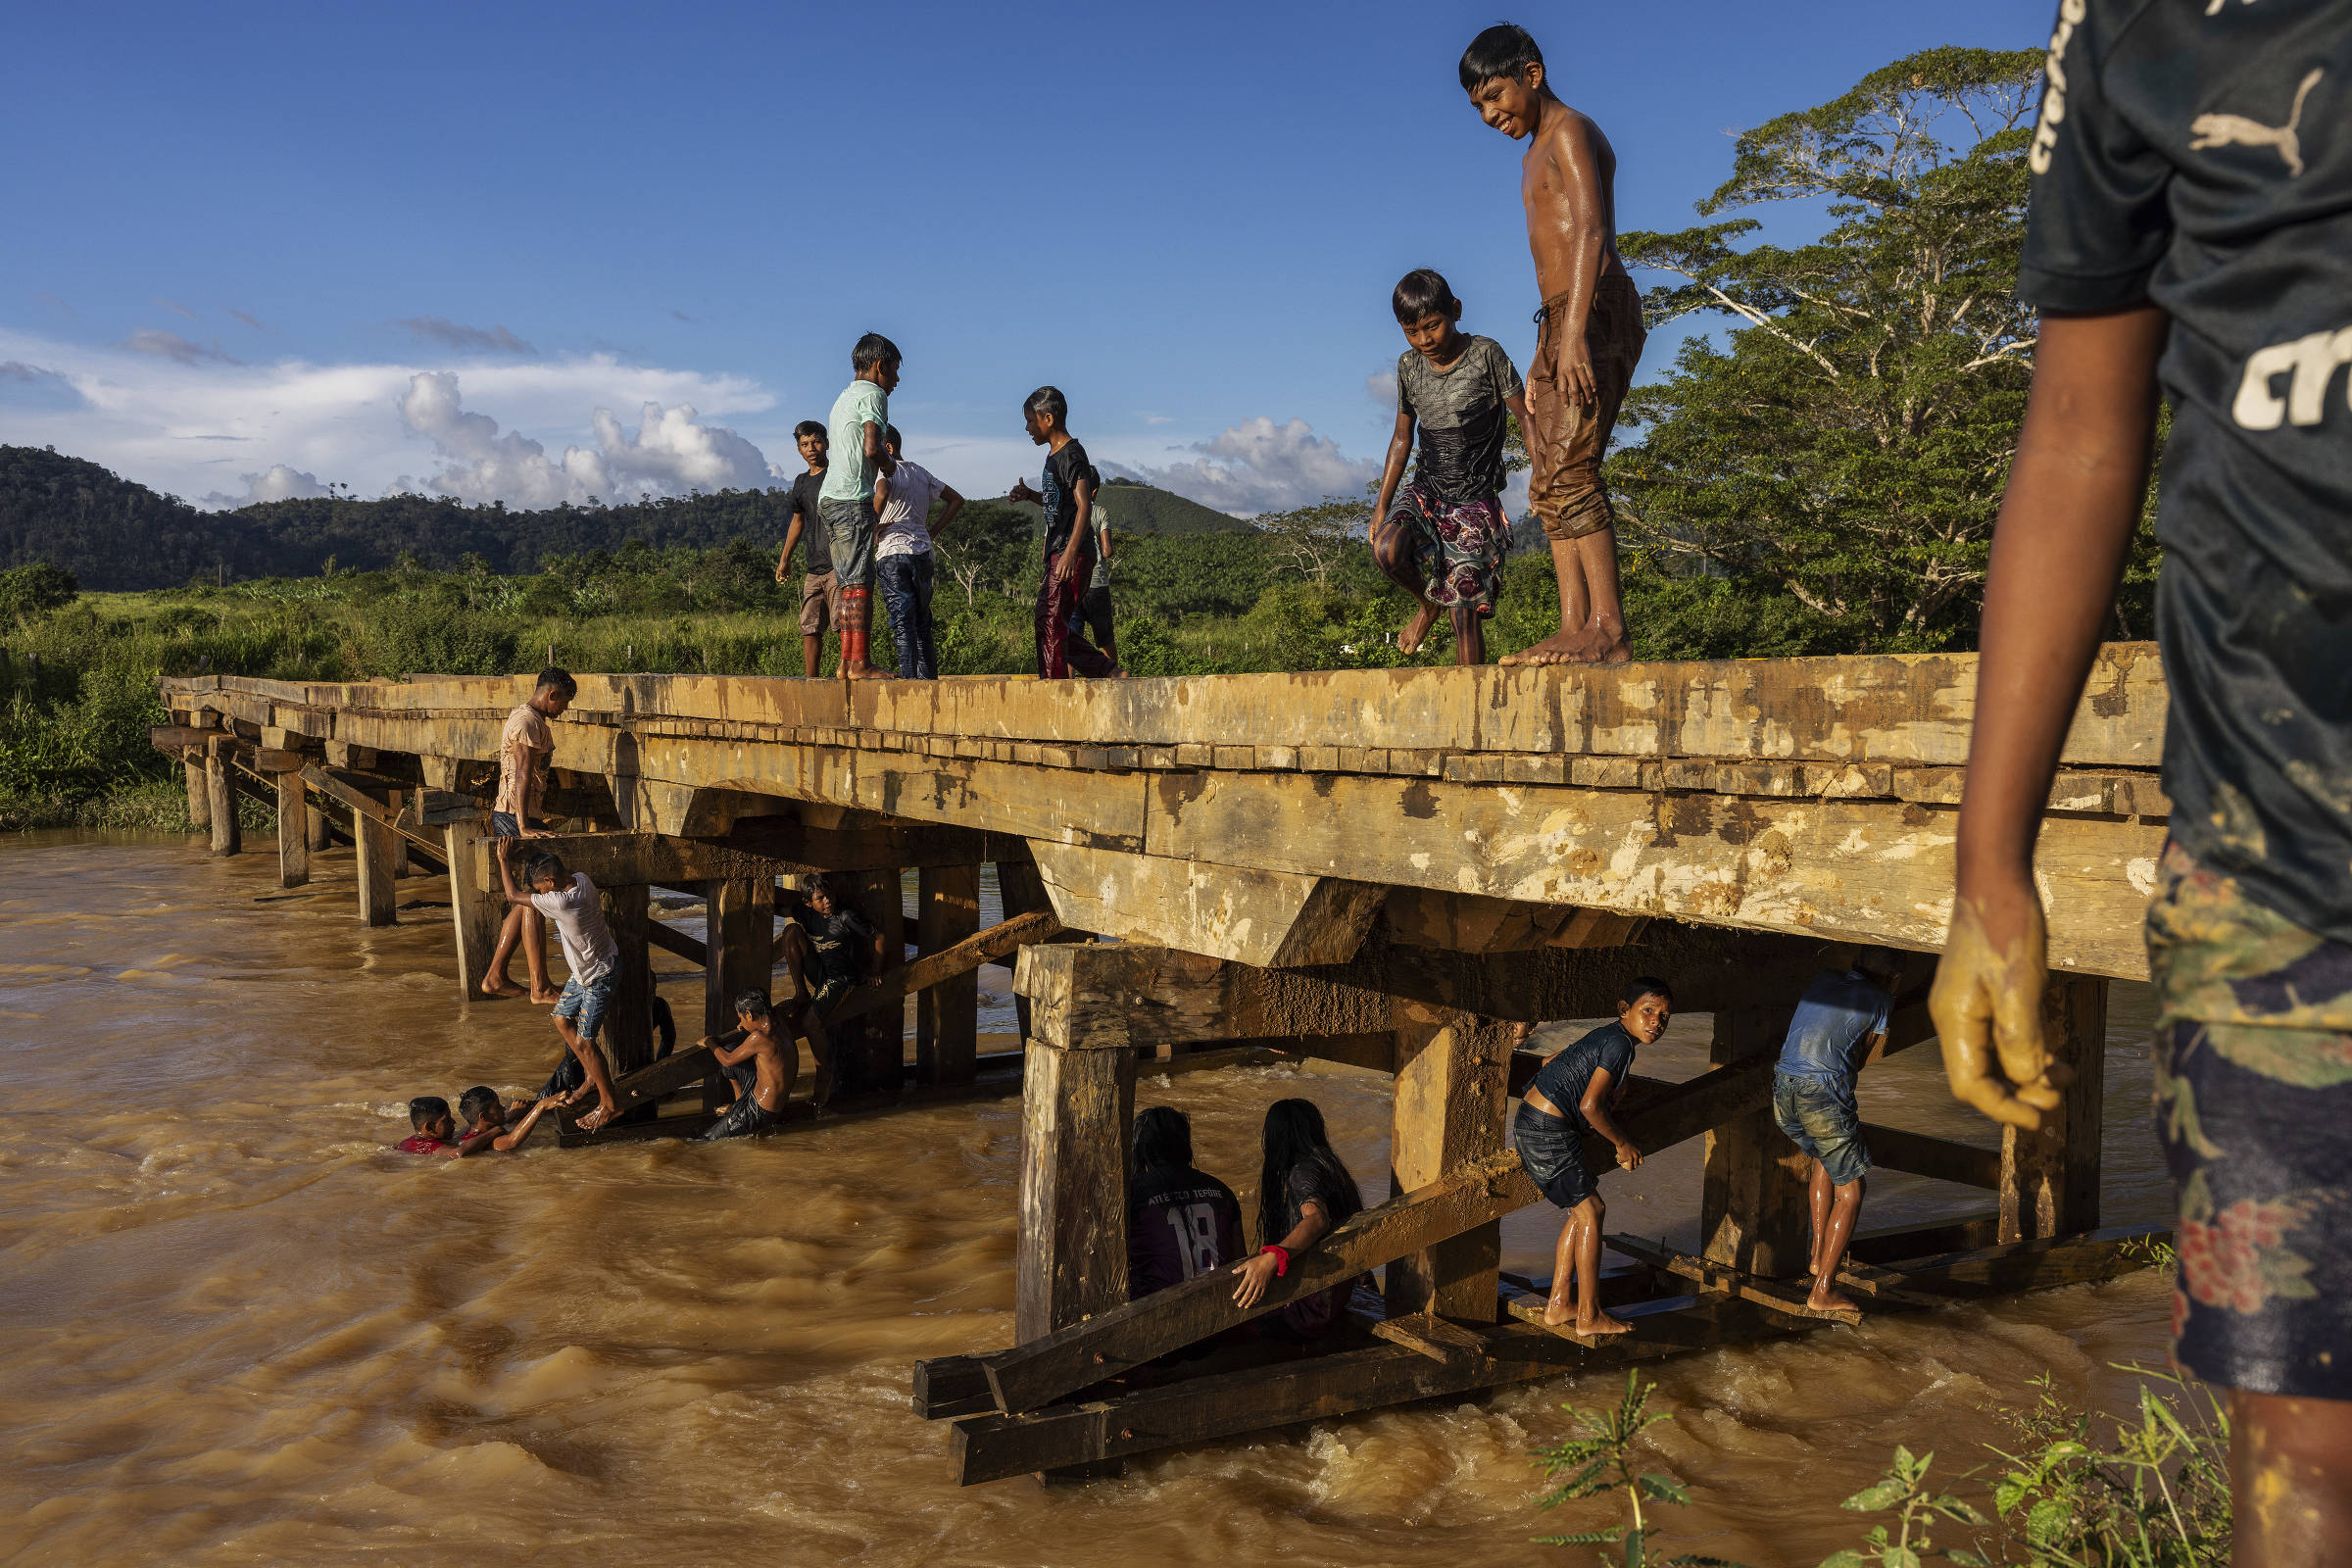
{"x": 234, "y": 1329}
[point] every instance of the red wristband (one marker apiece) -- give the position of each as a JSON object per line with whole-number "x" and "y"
{"x": 1282, "y": 1258}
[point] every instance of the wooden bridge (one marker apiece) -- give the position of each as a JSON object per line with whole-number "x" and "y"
{"x": 1381, "y": 867}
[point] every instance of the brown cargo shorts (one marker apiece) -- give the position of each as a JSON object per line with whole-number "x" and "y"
{"x": 820, "y": 603}
{"x": 1567, "y": 439}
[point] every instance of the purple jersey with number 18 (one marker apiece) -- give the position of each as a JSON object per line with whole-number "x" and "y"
{"x": 1181, "y": 1223}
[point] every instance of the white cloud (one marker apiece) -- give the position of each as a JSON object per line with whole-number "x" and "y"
{"x": 465, "y": 339}
{"x": 172, "y": 346}
{"x": 671, "y": 452}
{"x": 200, "y": 426}
{"x": 278, "y": 483}
{"x": 1381, "y": 387}
{"x": 1259, "y": 465}
{"x": 248, "y": 318}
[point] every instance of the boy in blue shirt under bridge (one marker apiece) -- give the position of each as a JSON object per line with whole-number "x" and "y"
{"x": 1839, "y": 1021}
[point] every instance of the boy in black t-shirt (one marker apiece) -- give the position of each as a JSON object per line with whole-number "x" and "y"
{"x": 2190, "y": 231}
{"x": 1570, "y": 1100}
{"x": 1068, "y": 497}
{"x": 821, "y": 595}
{"x": 827, "y": 947}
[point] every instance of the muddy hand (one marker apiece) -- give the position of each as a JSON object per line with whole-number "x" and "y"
{"x": 1987, "y": 1004}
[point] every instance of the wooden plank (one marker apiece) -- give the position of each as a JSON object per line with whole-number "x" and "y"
{"x": 669, "y": 939}
{"x": 176, "y": 739}
{"x": 1126, "y": 1335}
{"x": 1452, "y": 1076}
{"x": 378, "y": 896}
{"x": 1466, "y": 922}
{"x": 1268, "y": 918}
{"x": 2032, "y": 1265}
{"x": 617, "y": 859}
{"x": 988, "y": 947}
{"x": 360, "y": 804}
{"x": 2049, "y": 1180}
{"x": 221, "y": 805}
{"x": 1314, "y": 1387}
{"x": 1773, "y": 1296}
{"x": 1070, "y": 1260}
{"x": 293, "y": 832}
{"x": 1433, "y": 1336}
{"x": 1860, "y": 870}
{"x": 477, "y": 909}
{"x": 1891, "y": 1245}
{"x": 200, "y": 796}
{"x": 1943, "y": 1158}
{"x": 947, "y": 1009}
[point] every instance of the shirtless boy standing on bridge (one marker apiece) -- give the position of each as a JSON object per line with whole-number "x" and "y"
{"x": 1589, "y": 335}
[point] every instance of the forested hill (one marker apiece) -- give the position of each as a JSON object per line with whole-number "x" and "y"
{"x": 113, "y": 533}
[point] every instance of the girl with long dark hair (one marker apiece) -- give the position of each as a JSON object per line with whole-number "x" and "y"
{"x": 1305, "y": 1191}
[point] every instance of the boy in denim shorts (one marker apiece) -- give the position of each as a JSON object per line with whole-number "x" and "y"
{"x": 1570, "y": 1100}
{"x": 1839, "y": 1021}
{"x": 2190, "y": 240}
{"x": 589, "y": 951}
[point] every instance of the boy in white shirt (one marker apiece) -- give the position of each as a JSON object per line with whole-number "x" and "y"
{"x": 903, "y": 558}
{"x": 570, "y": 901}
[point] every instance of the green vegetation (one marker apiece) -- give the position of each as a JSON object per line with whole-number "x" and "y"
{"x": 2154, "y": 1494}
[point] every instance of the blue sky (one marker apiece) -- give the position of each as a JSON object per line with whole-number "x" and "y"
{"x": 255, "y": 248}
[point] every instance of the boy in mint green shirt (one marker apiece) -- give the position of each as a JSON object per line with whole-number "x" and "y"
{"x": 857, "y": 486}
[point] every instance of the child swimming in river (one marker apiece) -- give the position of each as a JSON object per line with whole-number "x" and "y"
{"x": 506, "y": 1125}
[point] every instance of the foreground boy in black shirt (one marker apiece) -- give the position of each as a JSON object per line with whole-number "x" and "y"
{"x": 1068, "y": 495}
{"x": 2192, "y": 227}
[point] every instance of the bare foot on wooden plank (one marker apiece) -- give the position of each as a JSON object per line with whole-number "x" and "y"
{"x": 1602, "y": 1323}
{"x": 1827, "y": 1297}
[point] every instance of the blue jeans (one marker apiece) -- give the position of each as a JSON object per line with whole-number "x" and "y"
{"x": 906, "y": 591}
{"x": 1817, "y": 1121}
{"x": 585, "y": 1004}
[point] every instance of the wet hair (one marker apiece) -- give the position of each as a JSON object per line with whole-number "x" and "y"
{"x": 751, "y": 1005}
{"x": 1163, "y": 1141}
{"x": 1644, "y": 985}
{"x": 1502, "y": 50}
{"x": 1295, "y": 1137}
{"x": 829, "y": 884}
{"x": 473, "y": 1101}
{"x": 1049, "y": 400}
{"x": 1883, "y": 964}
{"x": 873, "y": 349}
{"x": 890, "y": 433}
{"x": 426, "y": 1110}
{"x": 1424, "y": 292}
{"x": 811, "y": 427}
{"x": 665, "y": 1023}
{"x": 552, "y": 678}
{"x": 539, "y": 866}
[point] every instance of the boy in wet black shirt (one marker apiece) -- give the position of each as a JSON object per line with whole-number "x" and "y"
{"x": 1181, "y": 1223}
{"x": 1570, "y": 1099}
{"x": 1442, "y": 538}
{"x": 1068, "y": 495}
{"x": 2190, "y": 231}
{"x": 828, "y": 947}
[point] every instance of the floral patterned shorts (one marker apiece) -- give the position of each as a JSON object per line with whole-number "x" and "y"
{"x": 1458, "y": 546}
{"x": 2254, "y": 1106}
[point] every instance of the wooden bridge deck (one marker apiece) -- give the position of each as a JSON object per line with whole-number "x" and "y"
{"x": 1375, "y": 867}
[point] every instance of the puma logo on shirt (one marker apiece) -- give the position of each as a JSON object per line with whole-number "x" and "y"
{"x": 2237, "y": 131}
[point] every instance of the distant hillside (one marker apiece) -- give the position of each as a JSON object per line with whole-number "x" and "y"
{"x": 1138, "y": 507}
{"x": 114, "y": 534}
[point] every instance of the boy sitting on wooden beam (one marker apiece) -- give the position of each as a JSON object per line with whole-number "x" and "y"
{"x": 760, "y": 1067}
{"x": 1571, "y": 1096}
{"x": 1841, "y": 1020}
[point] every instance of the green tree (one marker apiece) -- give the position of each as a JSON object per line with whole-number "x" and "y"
{"x": 1849, "y": 445}
{"x": 30, "y": 589}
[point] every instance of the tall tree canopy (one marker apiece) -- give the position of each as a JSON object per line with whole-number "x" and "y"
{"x": 1848, "y": 443}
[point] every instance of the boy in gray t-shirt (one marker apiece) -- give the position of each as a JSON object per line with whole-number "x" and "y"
{"x": 1443, "y": 536}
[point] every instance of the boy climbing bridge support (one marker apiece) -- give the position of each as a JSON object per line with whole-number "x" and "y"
{"x": 1381, "y": 868}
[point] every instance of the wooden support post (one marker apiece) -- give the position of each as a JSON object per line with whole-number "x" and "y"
{"x": 739, "y": 953}
{"x": 876, "y": 1042}
{"x": 947, "y": 1015}
{"x": 1070, "y": 1262}
{"x": 220, "y": 798}
{"x": 2049, "y": 1180}
{"x": 374, "y": 837}
{"x": 400, "y": 842}
{"x": 316, "y": 828}
{"x": 1452, "y": 1076}
{"x": 1020, "y": 891}
{"x": 200, "y": 795}
{"x": 477, "y": 908}
{"x": 293, "y": 832}
{"x": 628, "y": 1034}
{"x": 1752, "y": 1213}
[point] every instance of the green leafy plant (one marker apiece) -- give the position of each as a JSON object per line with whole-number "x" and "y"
{"x": 1903, "y": 1491}
{"x": 1604, "y": 1461}
{"x": 2158, "y": 1496}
